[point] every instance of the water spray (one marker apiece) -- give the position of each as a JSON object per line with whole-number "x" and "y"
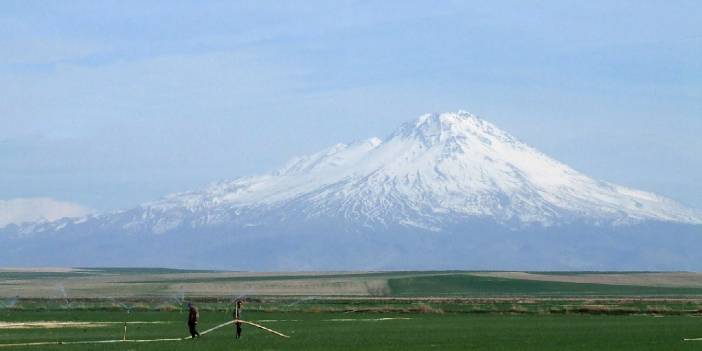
{"x": 10, "y": 303}
{"x": 304, "y": 299}
{"x": 233, "y": 301}
{"x": 179, "y": 299}
{"x": 62, "y": 290}
{"x": 124, "y": 306}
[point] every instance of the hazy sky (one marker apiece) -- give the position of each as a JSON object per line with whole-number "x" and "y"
{"x": 110, "y": 104}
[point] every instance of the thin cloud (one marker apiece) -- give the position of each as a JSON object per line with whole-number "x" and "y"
{"x": 23, "y": 210}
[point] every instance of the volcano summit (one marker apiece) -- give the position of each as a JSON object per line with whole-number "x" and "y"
{"x": 444, "y": 191}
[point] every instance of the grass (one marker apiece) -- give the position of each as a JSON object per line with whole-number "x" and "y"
{"x": 469, "y": 285}
{"x": 446, "y": 310}
{"x": 319, "y": 331}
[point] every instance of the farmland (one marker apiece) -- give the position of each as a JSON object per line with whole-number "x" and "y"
{"x": 360, "y": 310}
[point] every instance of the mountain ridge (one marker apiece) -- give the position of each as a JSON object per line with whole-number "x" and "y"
{"x": 450, "y": 189}
{"x": 454, "y": 153}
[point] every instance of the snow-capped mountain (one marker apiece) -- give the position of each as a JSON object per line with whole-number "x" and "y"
{"x": 442, "y": 176}
{"x": 452, "y": 164}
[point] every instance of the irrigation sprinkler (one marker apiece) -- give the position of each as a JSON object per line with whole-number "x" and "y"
{"x": 125, "y": 306}
{"x": 304, "y": 299}
{"x": 179, "y": 298}
{"x": 10, "y": 303}
{"x": 64, "y": 294}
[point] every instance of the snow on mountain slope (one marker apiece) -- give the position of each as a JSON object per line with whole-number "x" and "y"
{"x": 447, "y": 191}
{"x": 441, "y": 166}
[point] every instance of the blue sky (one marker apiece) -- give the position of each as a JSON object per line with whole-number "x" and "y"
{"x": 110, "y": 104}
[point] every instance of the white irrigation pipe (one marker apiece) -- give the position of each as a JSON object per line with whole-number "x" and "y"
{"x": 142, "y": 340}
{"x": 87, "y": 342}
{"x": 264, "y": 328}
{"x": 217, "y": 327}
{"x": 245, "y": 322}
{"x": 695, "y": 339}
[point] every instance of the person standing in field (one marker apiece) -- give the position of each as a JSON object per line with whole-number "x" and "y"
{"x": 237, "y": 317}
{"x": 193, "y": 316}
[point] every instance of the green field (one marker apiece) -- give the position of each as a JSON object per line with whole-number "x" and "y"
{"x": 469, "y": 285}
{"x": 443, "y": 310}
{"x": 363, "y": 331}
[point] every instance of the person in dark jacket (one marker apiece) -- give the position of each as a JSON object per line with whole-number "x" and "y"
{"x": 193, "y": 316}
{"x": 237, "y": 317}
